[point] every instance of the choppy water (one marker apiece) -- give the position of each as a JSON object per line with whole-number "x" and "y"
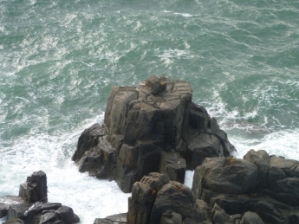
{"x": 58, "y": 60}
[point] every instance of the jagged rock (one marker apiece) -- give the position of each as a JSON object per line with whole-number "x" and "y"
{"x": 219, "y": 216}
{"x": 154, "y": 127}
{"x": 35, "y": 188}
{"x": 156, "y": 199}
{"x": 226, "y": 175}
{"x": 22, "y": 210}
{"x": 173, "y": 165}
{"x": 264, "y": 184}
{"x": 143, "y": 197}
{"x": 113, "y": 219}
{"x": 176, "y": 197}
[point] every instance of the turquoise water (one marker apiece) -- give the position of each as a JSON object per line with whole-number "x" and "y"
{"x": 59, "y": 59}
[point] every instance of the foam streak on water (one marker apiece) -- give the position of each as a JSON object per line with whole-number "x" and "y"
{"x": 59, "y": 59}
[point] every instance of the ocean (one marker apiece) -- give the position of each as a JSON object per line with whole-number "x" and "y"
{"x": 59, "y": 59}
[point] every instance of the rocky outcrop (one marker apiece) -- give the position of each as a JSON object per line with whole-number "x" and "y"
{"x": 154, "y": 127}
{"x": 31, "y": 205}
{"x": 158, "y": 200}
{"x": 264, "y": 184}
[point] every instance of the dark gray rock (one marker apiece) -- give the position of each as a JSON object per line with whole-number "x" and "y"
{"x": 170, "y": 217}
{"x": 38, "y": 208}
{"x": 156, "y": 199}
{"x": 173, "y": 165}
{"x": 143, "y": 197}
{"x": 260, "y": 183}
{"x": 113, "y": 219}
{"x": 35, "y": 188}
{"x": 226, "y": 175}
{"x": 154, "y": 127}
{"x": 176, "y": 197}
{"x": 22, "y": 210}
{"x": 16, "y": 211}
{"x": 219, "y": 216}
{"x": 3, "y": 210}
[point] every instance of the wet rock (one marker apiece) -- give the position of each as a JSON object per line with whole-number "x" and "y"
{"x": 143, "y": 197}
{"x": 256, "y": 184}
{"x": 35, "y": 188}
{"x": 22, "y": 209}
{"x": 156, "y": 199}
{"x": 113, "y": 219}
{"x": 154, "y": 127}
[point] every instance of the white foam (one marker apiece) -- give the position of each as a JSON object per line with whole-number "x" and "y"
{"x": 89, "y": 197}
{"x": 281, "y": 143}
{"x": 183, "y": 14}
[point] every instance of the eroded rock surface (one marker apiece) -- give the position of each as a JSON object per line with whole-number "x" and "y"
{"x": 31, "y": 205}
{"x": 157, "y": 200}
{"x": 264, "y": 184}
{"x": 154, "y": 127}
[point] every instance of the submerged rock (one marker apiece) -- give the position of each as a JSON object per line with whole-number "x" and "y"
{"x": 154, "y": 127}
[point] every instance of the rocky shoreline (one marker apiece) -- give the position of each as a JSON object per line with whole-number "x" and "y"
{"x": 151, "y": 135}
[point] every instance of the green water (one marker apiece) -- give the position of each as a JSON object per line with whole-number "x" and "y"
{"x": 59, "y": 59}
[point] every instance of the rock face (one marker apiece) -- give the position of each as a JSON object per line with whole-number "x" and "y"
{"x": 113, "y": 219}
{"x": 35, "y": 188}
{"x": 154, "y": 127}
{"x": 31, "y": 206}
{"x": 264, "y": 184}
{"x": 158, "y": 200}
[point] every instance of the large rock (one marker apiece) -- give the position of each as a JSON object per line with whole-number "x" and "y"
{"x": 260, "y": 183}
{"x": 35, "y": 188}
{"x": 156, "y": 199}
{"x": 31, "y": 206}
{"x": 154, "y": 127}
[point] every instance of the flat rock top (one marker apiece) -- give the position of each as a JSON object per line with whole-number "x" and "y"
{"x": 164, "y": 93}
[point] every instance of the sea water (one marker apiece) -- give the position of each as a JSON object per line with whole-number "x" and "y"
{"x": 59, "y": 59}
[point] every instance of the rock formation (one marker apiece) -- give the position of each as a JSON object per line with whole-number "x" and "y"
{"x": 265, "y": 184}
{"x": 154, "y": 127}
{"x": 158, "y": 200}
{"x": 31, "y": 205}
{"x": 258, "y": 189}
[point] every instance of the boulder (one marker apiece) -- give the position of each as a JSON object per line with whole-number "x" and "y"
{"x": 30, "y": 206}
{"x": 154, "y": 127}
{"x": 35, "y": 188}
{"x": 156, "y": 199}
{"x": 251, "y": 218}
{"x": 263, "y": 190}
